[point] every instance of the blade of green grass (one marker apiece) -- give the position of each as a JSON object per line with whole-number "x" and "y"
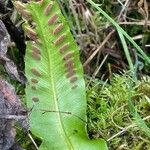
{"x": 137, "y": 118}
{"x": 144, "y": 56}
{"x": 126, "y": 51}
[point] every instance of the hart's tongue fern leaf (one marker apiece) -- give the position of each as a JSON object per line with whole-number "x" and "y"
{"x": 56, "y": 88}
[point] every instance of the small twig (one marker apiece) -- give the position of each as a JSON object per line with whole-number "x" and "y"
{"x": 97, "y": 70}
{"x": 125, "y": 129}
{"x": 147, "y": 45}
{"x": 138, "y": 37}
{"x": 141, "y": 23}
{"x": 63, "y": 112}
{"x": 29, "y": 135}
{"x": 99, "y": 48}
{"x": 123, "y": 9}
{"x": 15, "y": 117}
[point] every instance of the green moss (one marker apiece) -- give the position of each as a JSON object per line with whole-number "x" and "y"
{"x": 108, "y": 111}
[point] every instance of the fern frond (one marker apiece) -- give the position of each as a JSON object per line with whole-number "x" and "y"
{"x": 56, "y": 86}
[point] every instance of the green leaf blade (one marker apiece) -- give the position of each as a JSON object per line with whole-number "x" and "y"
{"x": 58, "y": 116}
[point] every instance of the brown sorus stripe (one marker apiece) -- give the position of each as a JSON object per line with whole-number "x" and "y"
{"x": 19, "y": 6}
{"x": 64, "y": 47}
{"x": 58, "y": 28}
{"x": 73, "y": 79}
{"x": 35, "y": 99}
{"x": 34, "y": 80}
{"x": 48, "y": 9}
{"x": 41, "y": 2}
{"x": 36, "y": 55}
{"x": 68, "y": 56}
{"x": 36, "y": 50}
{"x": 74, "y": 87}
{"x": 31, "y": 32}
{"x": 52, "y": 19}
{"x": 26, "y": 14}
{"x": 60, "y": 39}
{"x": 36, "y": 72}
{"x": 69, "y": 64}
{"x": 70, "y": 73}
{"x": 37, "y": 0}
{"x": 33, "y": 38}
{"x": 33, "y": 87}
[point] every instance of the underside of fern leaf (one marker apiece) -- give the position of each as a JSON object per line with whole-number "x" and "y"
{"x": 56, "y": 88}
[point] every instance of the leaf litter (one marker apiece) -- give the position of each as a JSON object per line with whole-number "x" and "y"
{"x": 11, "y": 110}
{"x": 8, "y": 64}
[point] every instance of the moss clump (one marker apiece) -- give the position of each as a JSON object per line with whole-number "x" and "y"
{"x": 109, "y": 111}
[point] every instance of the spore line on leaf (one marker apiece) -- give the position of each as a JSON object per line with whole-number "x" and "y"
{"x": 48, "y": 9}
{"x": 64, "y": 48}
{"x": 52, "y": 20}
{"x": 60, "y": 39}
{"x": 58, "y": 28}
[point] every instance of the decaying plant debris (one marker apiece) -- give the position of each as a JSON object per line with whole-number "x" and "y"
{"x": 10, "y": 105}
{"x": 8, "y": 63}
{"x": 10, "y": 111}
